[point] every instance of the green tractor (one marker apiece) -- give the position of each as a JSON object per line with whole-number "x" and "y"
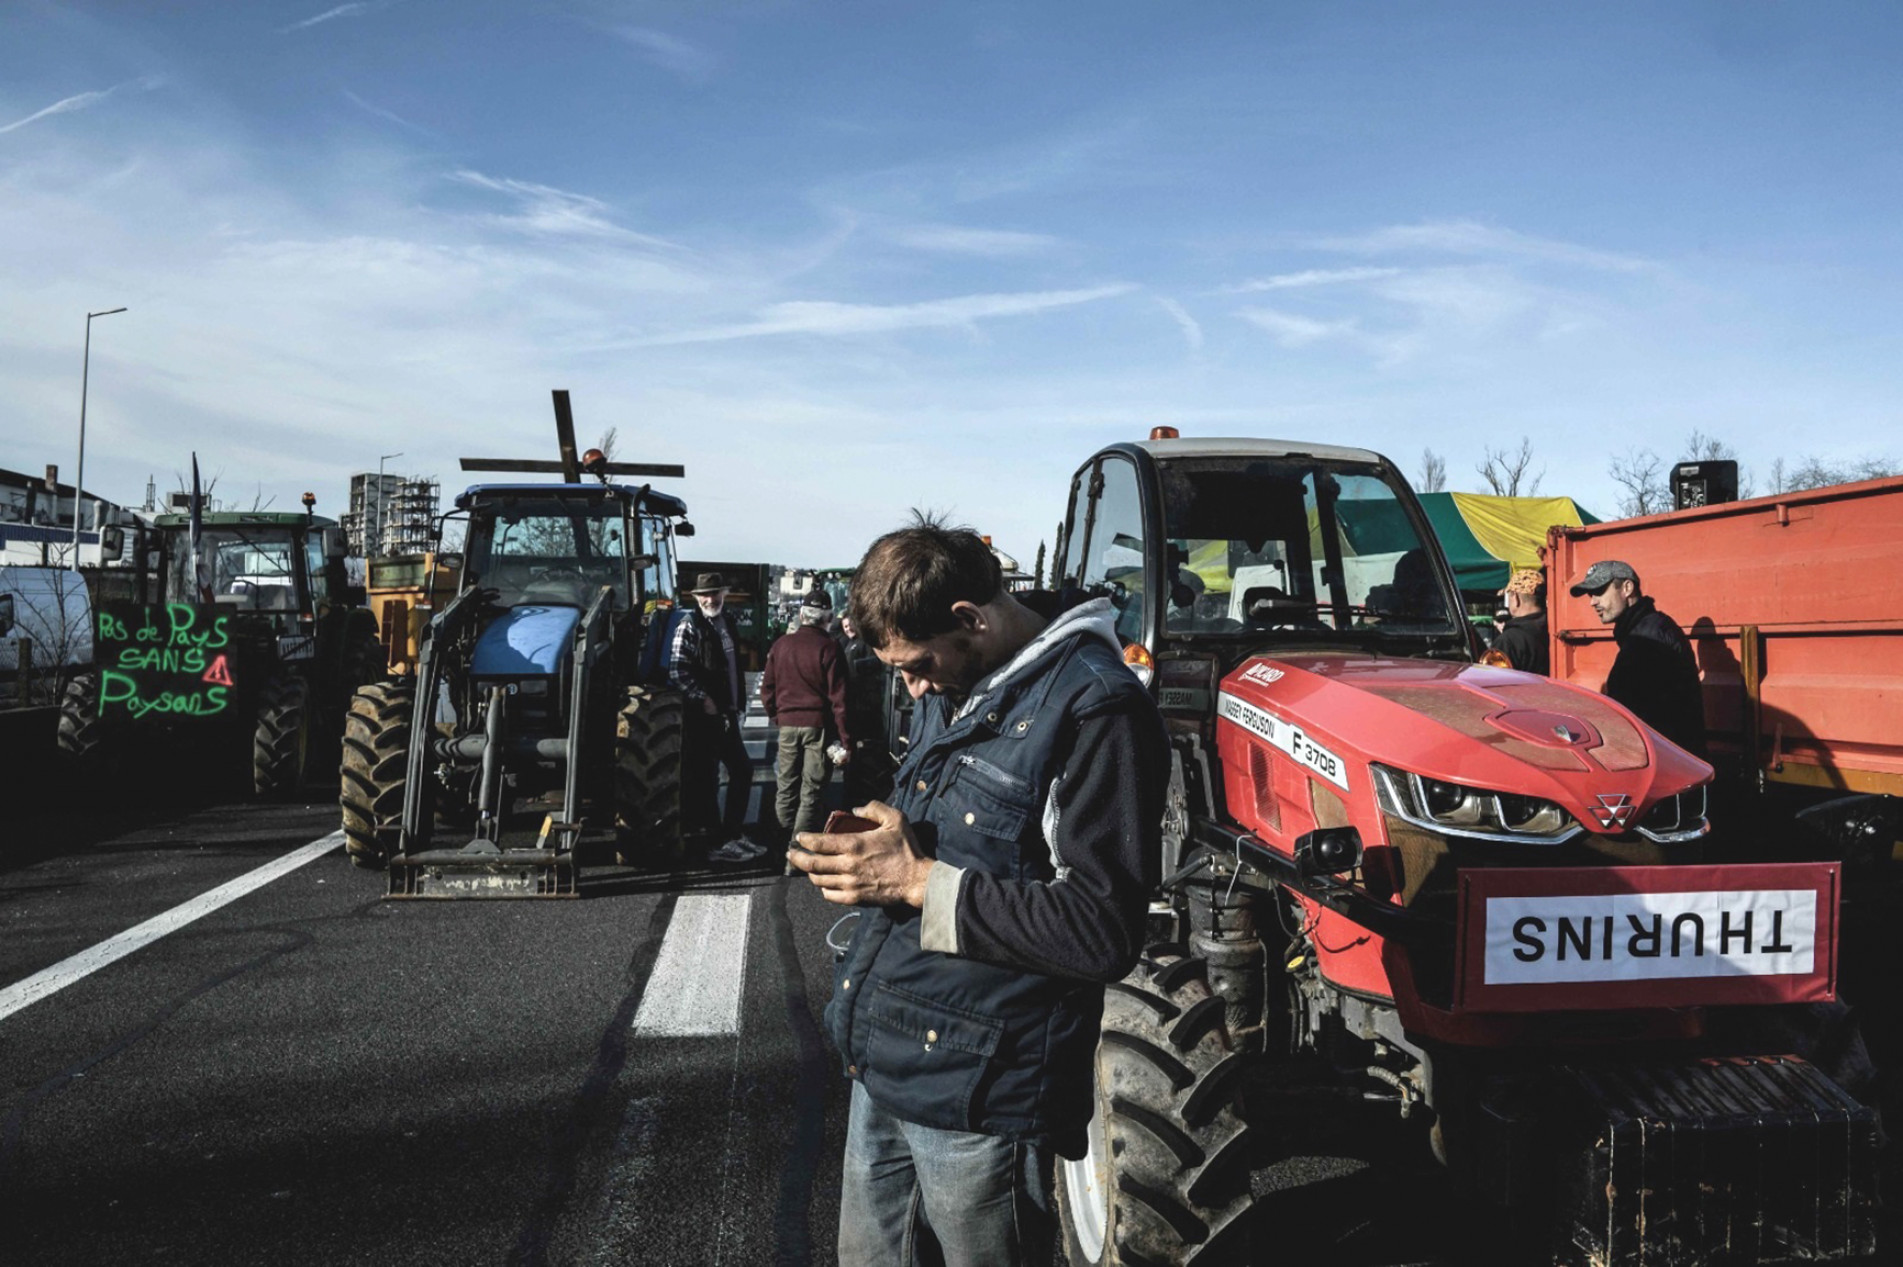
{"x": 277, "y": 579}
{"x": 538, "y": 685}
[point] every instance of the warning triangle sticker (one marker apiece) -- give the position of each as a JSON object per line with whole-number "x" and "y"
{"x": 219, "y": 674}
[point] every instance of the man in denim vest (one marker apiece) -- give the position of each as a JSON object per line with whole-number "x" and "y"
{"x": 1007, "y": 880}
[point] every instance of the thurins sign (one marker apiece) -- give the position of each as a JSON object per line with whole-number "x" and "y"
{"x": 169, "y": 660}
{"x": 1619, "y": 937}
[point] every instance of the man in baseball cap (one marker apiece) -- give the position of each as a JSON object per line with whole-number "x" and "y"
{"x": 1523, "y": 640}
{"x": 1655, "y": 674}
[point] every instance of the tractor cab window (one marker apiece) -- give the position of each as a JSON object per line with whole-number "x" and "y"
{"x": 316, "y": 567}
{"x": 1112, "y": 559}
{"x": 657, "y": 579}
{"x": 544, "y": 550}
{"x": 251, "y": 569}
{"x": 1295, "y": 546}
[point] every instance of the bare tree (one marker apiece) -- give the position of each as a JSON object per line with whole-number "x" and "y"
{"x": 608, "y": 442}
{"x": 1641, "y": 474}
{"x": 1433, "y": 472}
{"x": 1508, "y": 472}
{"x": 1814, "y": 472}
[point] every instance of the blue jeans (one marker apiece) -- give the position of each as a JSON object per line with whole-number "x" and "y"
{"x": 915, "y": 1195}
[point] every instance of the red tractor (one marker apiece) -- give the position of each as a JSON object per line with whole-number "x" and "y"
{"x": 1480, "y": 895}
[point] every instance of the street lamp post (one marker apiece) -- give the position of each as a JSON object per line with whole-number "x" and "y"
{"x": 79, "y": 475}
{"x": 369, "y": 552}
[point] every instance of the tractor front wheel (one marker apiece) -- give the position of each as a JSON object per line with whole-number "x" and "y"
{"x": 376, "y": 764}
{"x": 647, "y": 777}
{"x": 80, "y": 731}
{"x": 281, "y": 743}
{"x": 1165, "y": 1180}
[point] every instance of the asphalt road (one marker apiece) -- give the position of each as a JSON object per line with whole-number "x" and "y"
{"x": 311, "y": 1074}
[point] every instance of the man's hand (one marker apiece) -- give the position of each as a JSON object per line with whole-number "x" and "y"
{"x": 882, "y": 867}
{"x": 708, "y": 706}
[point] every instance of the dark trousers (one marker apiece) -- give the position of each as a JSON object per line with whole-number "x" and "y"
{"x": 710, "y": 743}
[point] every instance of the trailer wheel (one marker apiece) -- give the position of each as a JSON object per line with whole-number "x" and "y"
{"x": 80, "y": 730}
{"x": 376, "y": 765}
{"x": 647, "y": 777}
{"x": 281, "y": 742}
{"x": 1165, "y": 1180}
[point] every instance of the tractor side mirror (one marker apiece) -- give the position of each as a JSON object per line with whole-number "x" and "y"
{"x": 1328, "y": 851}
{"x": 683, "y": 529}
{"x": 334, "y": 544}
{"x": 6, "y": 614}
{"x": 112, "y": 543}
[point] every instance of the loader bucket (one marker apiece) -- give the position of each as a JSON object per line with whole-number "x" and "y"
{"x": 490, "y": 873}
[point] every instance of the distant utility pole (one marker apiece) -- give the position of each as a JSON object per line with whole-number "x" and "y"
{"x": 79, "y": 475}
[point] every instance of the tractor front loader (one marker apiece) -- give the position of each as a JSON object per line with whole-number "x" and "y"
{"x": 528, "y": 688}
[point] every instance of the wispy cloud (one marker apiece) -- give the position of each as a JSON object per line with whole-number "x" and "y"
{"x": 1466, "y": 237}
{"x": 954, "y": 239}
{"x": 551, "y": 212}
{"x": 387, "y": 115}
{"x": 1192, "y": 330}
{"x": 81, "y": 101}
{"x": 670, "y": 53}
{"x": 1292, "y": 330}
{"x": 330, "y": 15}
{"x": 826, "y": 318}
{"x": 1311, "y": 277}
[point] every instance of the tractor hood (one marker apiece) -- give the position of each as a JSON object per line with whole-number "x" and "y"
{"x": 1481, "y": 727}
{"x": 525, "y": 642}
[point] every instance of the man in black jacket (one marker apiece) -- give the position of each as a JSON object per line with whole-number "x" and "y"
{"x": 1655, "y": 674}
{"x": 1523, "y": 639}
{"x": 1005, "y": 883}
{"x": 704, "y": 664}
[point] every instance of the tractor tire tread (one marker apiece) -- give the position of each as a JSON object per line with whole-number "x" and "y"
{"x": 375, "y": 770}
{"x": 1176, "y": 1174}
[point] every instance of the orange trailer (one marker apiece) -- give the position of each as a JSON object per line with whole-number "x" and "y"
{"x": 1794, "y": 603}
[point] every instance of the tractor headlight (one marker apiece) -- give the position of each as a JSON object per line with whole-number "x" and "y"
{"x": 1677, "y": 818}
{"x": 1457, "y": 810}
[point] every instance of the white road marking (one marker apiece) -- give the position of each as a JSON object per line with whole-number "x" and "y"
{"x": 696, "y": 984}
{"x": 87, "y": 962}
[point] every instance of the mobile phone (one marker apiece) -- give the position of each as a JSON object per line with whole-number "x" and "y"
{"x": 839, "y": 822}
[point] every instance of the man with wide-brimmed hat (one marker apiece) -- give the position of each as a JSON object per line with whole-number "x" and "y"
{"x": 704, "y": 664}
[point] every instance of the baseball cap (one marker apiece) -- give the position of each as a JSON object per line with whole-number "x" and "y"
{"x": 1525, "y": 581}
{"x": 1602, "y": 574}
{"x": 817, "y": 597}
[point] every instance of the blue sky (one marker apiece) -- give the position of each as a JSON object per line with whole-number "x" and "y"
{"x": 842, "y": 259}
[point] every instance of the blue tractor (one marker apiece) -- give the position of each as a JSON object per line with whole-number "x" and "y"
{"x": 538, "y": 688}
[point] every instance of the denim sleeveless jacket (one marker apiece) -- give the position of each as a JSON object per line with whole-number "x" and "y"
{"x": 949, "y": 1042}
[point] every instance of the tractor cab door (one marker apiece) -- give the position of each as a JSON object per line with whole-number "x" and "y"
{"x": 1105, "y": 548}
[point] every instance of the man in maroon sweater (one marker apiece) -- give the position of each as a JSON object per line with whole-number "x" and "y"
{"x": 804, "y": 693}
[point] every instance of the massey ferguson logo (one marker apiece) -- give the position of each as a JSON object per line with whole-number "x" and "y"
{"x": 1262, "y": 673}
{"x": 1612, "y": 811}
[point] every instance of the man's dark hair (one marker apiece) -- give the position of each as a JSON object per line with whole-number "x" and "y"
{"x": 907, "y": 583}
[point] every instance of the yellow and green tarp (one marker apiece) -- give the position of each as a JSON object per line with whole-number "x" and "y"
{"x": 1485, "y": 537}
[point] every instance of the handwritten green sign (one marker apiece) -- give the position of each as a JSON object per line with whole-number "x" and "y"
{"x": 171, "y": 660}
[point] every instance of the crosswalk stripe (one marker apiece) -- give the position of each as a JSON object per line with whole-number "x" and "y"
{"x": 696, "y": 984}
{"x": 87, "y": 962}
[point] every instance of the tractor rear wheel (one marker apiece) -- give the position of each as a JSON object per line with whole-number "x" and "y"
{"x": 1165, "y": 1180}
{"x": 376, "y": 765}
{"x": 647, "y": 777}
{"x": 281, "y": 743}
{"x": 80, "y": 731}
